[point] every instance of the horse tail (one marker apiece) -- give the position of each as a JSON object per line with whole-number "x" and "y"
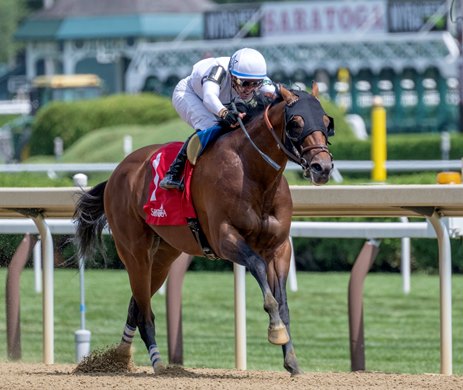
{"x": 90, "y": 219}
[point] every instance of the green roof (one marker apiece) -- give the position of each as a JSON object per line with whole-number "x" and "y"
{"x": 38, "y": 29}
{"x": 173, "y": 24}
{"x": 114, "y": 26}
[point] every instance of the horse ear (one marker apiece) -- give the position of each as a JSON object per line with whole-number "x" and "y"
{"x": 289, "y": 97}
{"x": 315, "y": 90}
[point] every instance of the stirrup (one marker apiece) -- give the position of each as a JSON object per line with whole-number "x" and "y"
{"x": 169, "y": 183}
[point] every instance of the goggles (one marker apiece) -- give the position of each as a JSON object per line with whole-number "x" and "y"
{"x": 247, "y": 83}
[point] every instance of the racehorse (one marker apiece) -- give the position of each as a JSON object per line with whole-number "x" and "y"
{"x": 243, "y": 205}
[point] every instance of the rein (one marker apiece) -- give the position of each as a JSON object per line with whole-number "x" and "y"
{"x": 272, "y": 163}
{"x": 278, "y": 140}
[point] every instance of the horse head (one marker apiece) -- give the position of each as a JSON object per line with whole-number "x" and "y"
{"x": 306, "y": 132}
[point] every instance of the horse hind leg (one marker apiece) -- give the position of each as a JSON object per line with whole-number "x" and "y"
{"x": 124, "y": 348}
{"x": 147, "y": 271}
{"x": 147, "y": 334}
{"x": 142, "y": 317}
{"x": 136, "y": 248}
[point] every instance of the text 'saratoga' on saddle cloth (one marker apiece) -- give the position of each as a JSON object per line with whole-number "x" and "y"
{"x": 168, "y": 207}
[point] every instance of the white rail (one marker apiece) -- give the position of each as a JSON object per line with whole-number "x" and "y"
{"x": 341, "y": 165}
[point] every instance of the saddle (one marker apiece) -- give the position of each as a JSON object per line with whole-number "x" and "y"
{"x": 166, "y": 207}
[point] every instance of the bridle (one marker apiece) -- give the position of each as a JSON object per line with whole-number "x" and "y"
{"x": 291, "y": 145}
{"x": 297, "y": 155}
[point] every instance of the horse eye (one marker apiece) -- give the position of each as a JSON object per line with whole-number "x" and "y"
{"x": 294, "y": 128}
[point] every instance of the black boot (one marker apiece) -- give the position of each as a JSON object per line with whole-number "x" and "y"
{"x": 173, "y": 179}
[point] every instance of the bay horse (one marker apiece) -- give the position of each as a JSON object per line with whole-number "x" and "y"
{"x": 243, "y": 204}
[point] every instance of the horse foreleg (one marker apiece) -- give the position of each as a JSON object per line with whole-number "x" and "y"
{"x": 277, "y": 275}
{"x": 277, "y": 332}
{"x": 235, "y": 249}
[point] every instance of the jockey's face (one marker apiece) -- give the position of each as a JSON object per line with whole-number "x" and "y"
{"x": 245, "y": 88}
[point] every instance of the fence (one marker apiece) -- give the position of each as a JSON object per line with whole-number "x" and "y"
{"x": 432, "y": 202}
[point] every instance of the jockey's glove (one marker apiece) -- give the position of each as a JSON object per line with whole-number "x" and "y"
{"x": 229, "y": 118}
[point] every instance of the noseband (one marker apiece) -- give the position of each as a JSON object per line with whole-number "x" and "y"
{"x": 319, "y": 147}
{"x": 297, "y": 158}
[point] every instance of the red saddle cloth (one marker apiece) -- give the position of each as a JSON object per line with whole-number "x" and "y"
{"x": 168, "y": 207}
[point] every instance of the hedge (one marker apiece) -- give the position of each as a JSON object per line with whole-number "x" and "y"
{"x": 73, "y": 120}
{"x": 311, "y": 254}
{"x": 399, "y": 147}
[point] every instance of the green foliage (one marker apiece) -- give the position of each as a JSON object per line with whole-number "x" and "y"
{"x": 11, "y": 12}
{"x": 113, "y": 138}
{"x": 333, "y": 254}
{"x": 424, "y": 146}
{"x": 342, "y": 128}
{"x": 8, "y": 245}
{"x": 7, "y": 118}
{"x": 72, "y": 120}
{"x": 33, "y": 179}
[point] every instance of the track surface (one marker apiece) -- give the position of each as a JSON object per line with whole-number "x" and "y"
{"x": 62, "y": 377}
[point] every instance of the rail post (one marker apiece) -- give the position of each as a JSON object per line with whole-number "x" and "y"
{"x": 378, "y": 140}
{"x": 174, "y": 308}
{"x": 82, "y": 336}
{"x": 12, "y": 296}
{"x": 359, "y": 272}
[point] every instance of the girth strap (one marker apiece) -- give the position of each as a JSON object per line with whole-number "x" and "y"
{"x": 201, "y": 239}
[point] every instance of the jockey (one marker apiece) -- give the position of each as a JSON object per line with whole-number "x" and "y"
{"x": 201, "y": 98}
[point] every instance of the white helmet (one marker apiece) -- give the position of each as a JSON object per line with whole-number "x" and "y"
{"x": 248, "y": 64}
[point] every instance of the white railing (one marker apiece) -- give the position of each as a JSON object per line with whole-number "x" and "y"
{"x": 341, "y": 165}
{"x": 15, "y": 107}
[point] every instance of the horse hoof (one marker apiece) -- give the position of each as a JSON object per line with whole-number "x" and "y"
{"x": 291, "y": 364}
{"x": 124, "y": 350}
{"x": 278, "y": 335}
{"x": 297, "y": 372}
{"x": 158, "y": 368}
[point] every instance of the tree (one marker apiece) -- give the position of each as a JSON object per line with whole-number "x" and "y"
{"x": 11, "y": 13}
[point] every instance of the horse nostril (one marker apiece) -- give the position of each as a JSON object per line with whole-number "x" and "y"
{"x": 315, "y": 167}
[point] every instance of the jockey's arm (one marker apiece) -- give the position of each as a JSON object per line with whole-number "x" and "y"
{"x": 211, "y": 101}
{"x": 211, "y": 91}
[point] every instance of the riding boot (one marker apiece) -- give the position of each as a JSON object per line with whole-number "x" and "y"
{"x": 172, "y": 179}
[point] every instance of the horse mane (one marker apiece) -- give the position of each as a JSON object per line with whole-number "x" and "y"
{"x": 257, "y": 105}
{"x": 253, "y": 108}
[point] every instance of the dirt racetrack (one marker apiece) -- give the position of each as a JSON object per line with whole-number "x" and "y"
{"x": 62, "y": 377}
